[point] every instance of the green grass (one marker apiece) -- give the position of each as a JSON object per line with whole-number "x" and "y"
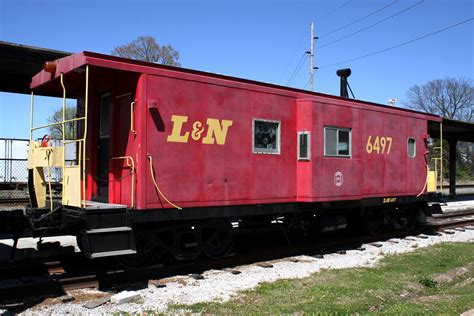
{"x": 403, "y": 284}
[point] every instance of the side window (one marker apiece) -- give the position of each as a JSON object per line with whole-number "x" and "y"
{"x": 105, "y": 116}
{"x": 411, "y": 147}
{"x": 304, "y": 150}
{"x": 337, "y": 142}
{"x": 266, "y": 136}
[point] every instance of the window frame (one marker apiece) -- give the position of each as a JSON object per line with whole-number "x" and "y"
{"x": 337, "y": 155}
{"x": 299, "y": 158}
{"x": 109, "y": 117}
{"x": 408, "y": 147}
{"x": 278, "y": 136}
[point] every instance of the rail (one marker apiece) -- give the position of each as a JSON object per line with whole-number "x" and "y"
{"x": 440, "y": 159}
{"x": 80, "y": 181}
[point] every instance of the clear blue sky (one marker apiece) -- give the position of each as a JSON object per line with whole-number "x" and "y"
{"x": 261, "y": 40}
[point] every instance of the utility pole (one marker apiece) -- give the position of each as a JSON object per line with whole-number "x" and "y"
{"x": 311, "y": 58}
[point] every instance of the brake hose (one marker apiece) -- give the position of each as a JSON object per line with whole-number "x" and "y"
{"x": 156, "y": 185}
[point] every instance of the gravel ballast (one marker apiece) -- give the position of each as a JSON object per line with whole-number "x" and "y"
{"x": 222, "y": 285}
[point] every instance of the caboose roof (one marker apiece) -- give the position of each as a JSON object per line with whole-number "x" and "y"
{"x": 75, "y": 62}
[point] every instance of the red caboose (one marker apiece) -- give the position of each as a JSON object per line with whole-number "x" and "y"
{"x": 168, "y": 157}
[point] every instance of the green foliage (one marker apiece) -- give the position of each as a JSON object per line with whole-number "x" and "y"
{"x": 428, "y": 282}
{"x": 146, "y": 48}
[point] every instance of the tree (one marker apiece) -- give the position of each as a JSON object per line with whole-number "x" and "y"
{"x": 146, "y": 48}
{"x": 69, "y": 128}
{"x": 452, "y": 98}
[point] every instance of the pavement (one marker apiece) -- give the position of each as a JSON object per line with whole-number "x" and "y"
{"x": 460, "y": 203}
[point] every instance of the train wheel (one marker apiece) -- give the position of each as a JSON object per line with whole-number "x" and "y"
{"x": 220, "y": 242}
{"x": 145, "y": 256}
{"x": 374, "y": 223}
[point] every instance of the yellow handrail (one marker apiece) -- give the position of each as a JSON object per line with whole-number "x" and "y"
{"x": 81, "y": 157}
{"x": 440, "y": 158}
{"x": 31, "y": 115}
{"x": 48, "y": 154}
{"x": 130, "y": 163}
{"x": 63, "y": 132}
{"x": 441, "y": 153}
{"x": 57, "y": 123}
{"x": 86, "y": 105}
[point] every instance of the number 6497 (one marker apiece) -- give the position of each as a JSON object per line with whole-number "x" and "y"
{"x": 381, "y": 145}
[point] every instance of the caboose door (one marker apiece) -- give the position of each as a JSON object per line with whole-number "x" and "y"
{"x": 102, "y": 180}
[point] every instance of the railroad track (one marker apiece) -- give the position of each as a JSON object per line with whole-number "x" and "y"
{"x": 58, "y": 277}
{"x": 452, "y": 220}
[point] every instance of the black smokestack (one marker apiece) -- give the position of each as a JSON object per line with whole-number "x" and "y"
{"x": 344, "y": 74}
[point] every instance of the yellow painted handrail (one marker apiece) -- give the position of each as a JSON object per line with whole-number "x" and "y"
{"x": 48, "y": 154}
{"x": 31, "y": 114}
{"x": 441, "y": 153}
{"x": 440, "y": 158}
{"x": 86, "y": 106}
{"x": 130, "y": 163}
{"x": 58, "y": 123}
{"x": 63, "y": 132}
{"x": 81, "y": 141}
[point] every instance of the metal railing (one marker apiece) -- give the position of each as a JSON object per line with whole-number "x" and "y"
{"x": 80, "y": 142}
{"x": 438, "y": 161}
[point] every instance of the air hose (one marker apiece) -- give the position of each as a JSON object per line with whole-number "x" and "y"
{"x": 150, "y": 159}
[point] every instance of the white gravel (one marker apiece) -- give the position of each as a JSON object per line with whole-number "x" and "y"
{"x": 221, "y": 286}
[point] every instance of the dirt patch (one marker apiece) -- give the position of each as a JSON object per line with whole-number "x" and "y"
{"x": 415, "y": 287}
{"x": 435, "y": 298}
{"x": 466, "y": 282}
{"x": 180, "y": 280}
{"x": 451, "y": 275}
{"x": 84, "y": 296}
{"x": 77, "y": 296}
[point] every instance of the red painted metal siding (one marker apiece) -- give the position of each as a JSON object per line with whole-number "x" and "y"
{"x": 193, "y": 173}
{"x": 196, "y": 174}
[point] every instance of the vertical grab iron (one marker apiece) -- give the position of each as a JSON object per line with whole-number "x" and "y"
{"x": 440, "y": 159}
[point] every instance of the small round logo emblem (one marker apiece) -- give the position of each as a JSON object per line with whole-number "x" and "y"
{"x": 338, "y": 179}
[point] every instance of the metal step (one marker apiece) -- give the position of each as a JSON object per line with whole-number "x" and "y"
{"x": 109, "y": 230}
{"x": 113, "y": 253}
{"x": 108, "y": 241}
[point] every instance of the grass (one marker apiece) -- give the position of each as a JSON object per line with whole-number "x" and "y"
{"x": 403, "y": 284}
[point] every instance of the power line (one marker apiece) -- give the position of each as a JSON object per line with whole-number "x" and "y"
{"x": 293, "y": 57}
{"x": 339, "y": 7}
{"x": 399, "y": 45}
{"x": 307, "y": 83}
{"x": 297, "y": 69}
{"x": 360, "y": 19}
{"x": 372, "y": 25}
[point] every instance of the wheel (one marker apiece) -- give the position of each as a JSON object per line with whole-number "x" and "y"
{"x": 220, "y": 241}
{"x": 144, "y": 257}
{"x": 374, "y": 223}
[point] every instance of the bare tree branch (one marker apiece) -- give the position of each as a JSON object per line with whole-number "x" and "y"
{"x": 146, "y": 48}
{"x": 452, "y": 98}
